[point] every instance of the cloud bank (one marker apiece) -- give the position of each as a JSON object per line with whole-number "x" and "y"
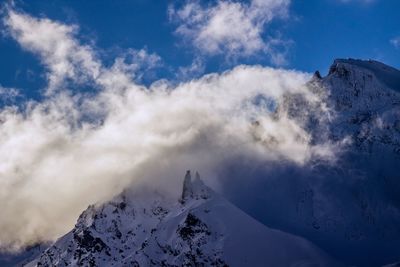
{"x": 73, "y": 149}
{"x": 231, "y": 28}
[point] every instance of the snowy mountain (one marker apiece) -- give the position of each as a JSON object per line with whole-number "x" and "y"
{"x": 144, "y": 228}
{"x": 350, "y": 207}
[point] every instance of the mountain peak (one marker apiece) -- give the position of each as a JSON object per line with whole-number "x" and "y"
{"x": 187, "y": 191}
{"x": 194, "y": 189}
{"x": 317, "y": 75}
{"x": 387, "y": 75}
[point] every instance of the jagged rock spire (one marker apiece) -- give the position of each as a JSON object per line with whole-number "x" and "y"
{"x": 187, "y": 190}
{"x": 317, "y": 75}
{"x": 194, "y": 189}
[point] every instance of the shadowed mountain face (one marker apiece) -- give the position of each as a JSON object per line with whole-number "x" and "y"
{"x": 350, "y": 207}
{"x": 201, "y": 229}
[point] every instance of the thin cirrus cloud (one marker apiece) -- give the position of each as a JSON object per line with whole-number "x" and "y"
{"x": 9, "y": 93}
{"x": 234, "y": 29}
{"x": 70, "y": 150}
{"x": 395, "y": 42}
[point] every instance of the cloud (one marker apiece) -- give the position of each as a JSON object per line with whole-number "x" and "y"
{"x": 194, "y": 69}
{"x": 55, "y": 44}
{"x": 137, "y": 62}
{"x": 232, "y": 28}
{"x": 395, "y": 42}
{"x": 66, "y": 58}
{"x": 9, "y": 93}
{"x": 73, "y": 149}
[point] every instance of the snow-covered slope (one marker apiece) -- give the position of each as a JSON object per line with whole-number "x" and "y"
{"x": 143, "y": 228}
{"x": 384, "y": 73}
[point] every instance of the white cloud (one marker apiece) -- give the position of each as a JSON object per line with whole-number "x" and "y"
{"x": 9, "y": 93}
{"x": 55, "y": 44}
{"x": 70, "y": 150}
{"x": 137, "y": 62}
{"x": 232, "y": 28}
{"x": 194, "y": 69}
{"x": 66, "y": 58}
{"x": 395, "y": 42}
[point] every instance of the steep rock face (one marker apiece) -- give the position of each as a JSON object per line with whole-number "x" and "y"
{"x": 147, "y": 229}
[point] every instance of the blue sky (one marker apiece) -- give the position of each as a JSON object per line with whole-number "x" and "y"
{"x": 310, "y": 35}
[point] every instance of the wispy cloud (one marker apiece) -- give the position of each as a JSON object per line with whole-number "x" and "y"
{"x": 395, "y": 42}
{"x": 55, "y": 44}
{"x": 193, "y": 70}
{"x": 70, "y": 150}
{"x": 137, "y": 62}
{"x": 9, "y": 93}
{"x": 235, "y": 29}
